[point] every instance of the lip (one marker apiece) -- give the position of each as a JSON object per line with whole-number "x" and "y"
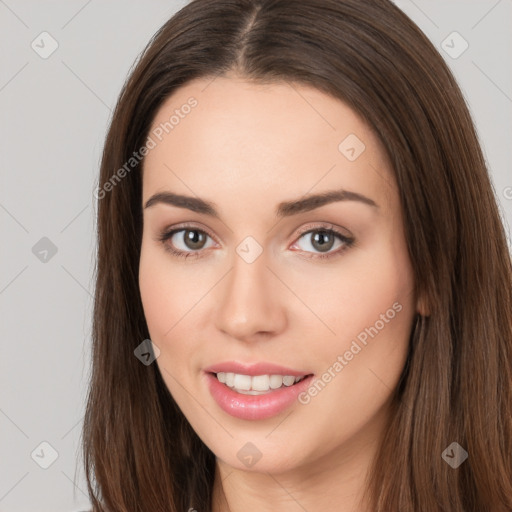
{"x": 256, "y": 407}
{"x": 252, "y": 369}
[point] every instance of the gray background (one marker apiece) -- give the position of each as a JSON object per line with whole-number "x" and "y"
{"x": 54, "y": 114}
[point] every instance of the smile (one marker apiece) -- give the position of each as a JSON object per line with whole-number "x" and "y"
{"x": 256, "y": 391}
{"x": 257, "y": 384}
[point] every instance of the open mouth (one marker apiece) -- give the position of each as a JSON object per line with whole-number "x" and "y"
{"x": 257, "y": 384}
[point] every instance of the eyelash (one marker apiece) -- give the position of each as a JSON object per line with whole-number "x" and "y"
{"x": 347, "y": 241}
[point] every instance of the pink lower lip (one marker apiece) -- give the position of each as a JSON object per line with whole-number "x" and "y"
{"x": 255, "y": 407}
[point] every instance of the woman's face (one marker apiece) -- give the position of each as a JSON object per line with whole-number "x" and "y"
{"x": 260, "y": 288}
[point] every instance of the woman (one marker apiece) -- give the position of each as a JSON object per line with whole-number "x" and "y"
{"x": 294, "y": 208}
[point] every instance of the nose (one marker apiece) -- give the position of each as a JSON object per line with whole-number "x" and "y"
{"x": 251, "y": 301}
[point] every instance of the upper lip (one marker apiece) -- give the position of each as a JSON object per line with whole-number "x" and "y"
{"x": 260, "y": 368}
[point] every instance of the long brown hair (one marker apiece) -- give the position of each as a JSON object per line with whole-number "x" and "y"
{"x": 140, "y": 453}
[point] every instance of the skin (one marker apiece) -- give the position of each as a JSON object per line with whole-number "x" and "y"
{"x": 246, "y": 148}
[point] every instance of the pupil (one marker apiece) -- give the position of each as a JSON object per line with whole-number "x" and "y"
{"x": 321, "y": 240}
{"x": 194, "y": 239}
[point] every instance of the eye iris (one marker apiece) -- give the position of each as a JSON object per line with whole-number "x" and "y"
{"x": 321, "y": 242}
{"x": 194, "y": 239}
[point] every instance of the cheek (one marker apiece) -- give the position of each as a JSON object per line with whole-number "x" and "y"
{"x": 361, "y": 367}
{"x": 167, "y": 291}
{"x": 173, "y": 296}
{"x": 372, "y": 311}
{"x": 165, "y": 299}
{"x": 152, "y": 284}
{"x": 375, "y": 323}
{"x": 372, "y": 288}
{"x": 165, "y": 312}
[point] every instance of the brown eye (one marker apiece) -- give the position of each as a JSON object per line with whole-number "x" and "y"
{"x": 322, "y": 240}
{"x": 185, "y": 241}
{"x": 194, "y": 239}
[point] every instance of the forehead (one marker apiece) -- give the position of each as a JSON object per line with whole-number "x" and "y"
{"x": 228, "y": 133}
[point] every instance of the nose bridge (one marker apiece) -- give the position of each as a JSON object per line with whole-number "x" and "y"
{"x": 249, "y": 303}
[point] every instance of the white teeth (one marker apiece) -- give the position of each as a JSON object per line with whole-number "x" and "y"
{"x": 257, "y": 384}
{"x": 242, "y": 382}
{"x": 288, "y": 380}
{"x": 230, "y": 379}
{"x": 276, "y": 381}
{"x": 260, "y": 383}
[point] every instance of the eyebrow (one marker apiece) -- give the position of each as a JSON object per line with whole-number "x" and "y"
{"x": 284, "y": 209}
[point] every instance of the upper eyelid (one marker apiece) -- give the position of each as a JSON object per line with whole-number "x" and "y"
{"x": 328, "y": 226}
{"x": 313, "y": 226}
